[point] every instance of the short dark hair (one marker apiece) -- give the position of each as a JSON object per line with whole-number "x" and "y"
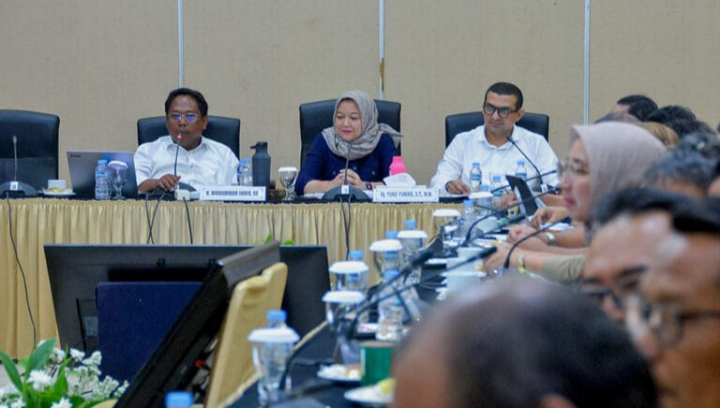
{"x": 514, "y": 341}
{"x": 681, "y": 165}
{"x": 506, "y": 88}
{"x": 639, "y": 106}
{"x": 684, "y": 127}
{"x": 197, "y": 96}
{"x": 670, "y": 113}
{"x": 705, "y": 143}
{"x": 688, "y": 215}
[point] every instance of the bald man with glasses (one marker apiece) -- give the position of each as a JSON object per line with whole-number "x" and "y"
{"x": 490, "y": 146}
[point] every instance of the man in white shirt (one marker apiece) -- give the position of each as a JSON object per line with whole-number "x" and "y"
{"x": 489, "y": 145}
{"x": 200, "y": 161}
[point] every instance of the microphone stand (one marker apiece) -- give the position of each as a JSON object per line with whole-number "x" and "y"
{"x": 15, "y": 186}
{"x": 345, "y": 191}
{"x": 547, "y": 173}
{"x": 497, "y": 212}
{"x": 511, "y": 140}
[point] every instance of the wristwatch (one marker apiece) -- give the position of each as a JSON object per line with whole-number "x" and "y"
{"x": 368, "y": 185}
{"x": 551, "y": 238}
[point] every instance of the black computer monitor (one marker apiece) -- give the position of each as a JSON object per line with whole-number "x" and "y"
{"x": 172, "y": 365}
{"x": 75, "y": 271}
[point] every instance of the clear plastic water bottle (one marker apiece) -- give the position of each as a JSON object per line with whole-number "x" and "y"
{"x": 355, "y": 255}
{"x": 467, "y": 218}
{"x": 521, "y": 170}
{"x": 497, "y": 191}
{"x": 475, "y": 177}
{"x": 241, "y": 172}
{"x": 102, "y": 186}
{"x": 276, "y": 318}
{"x": 410, "y": 225}
{"x": 413, "y": 241}
{"x": 272, "y": 347}
{"x": 178, "y": 399}
{"x": 390, "y": 311}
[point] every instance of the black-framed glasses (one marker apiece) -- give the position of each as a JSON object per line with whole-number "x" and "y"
{"x": 189, "y": 117}
{"x": 503, "y": 112}
{"x": 572, "y": 169}
{"x": 598, "y": 296}
{"x": 666, "y": 322}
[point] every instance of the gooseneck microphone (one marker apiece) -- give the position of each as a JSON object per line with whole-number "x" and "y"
{"x": 525, "y": 238}
{"x": 345, "y": 190}
{"x": 547, "y": 173}
{"x": 512, "y": 220}
{"x": 511, "y": 140}
{"x": 177, "y": 150}
{"x": 15, "y": 186}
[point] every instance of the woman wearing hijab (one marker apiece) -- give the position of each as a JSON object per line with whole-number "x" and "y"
{"x": 357, "y": 137}
{"x": 602, "y": 158}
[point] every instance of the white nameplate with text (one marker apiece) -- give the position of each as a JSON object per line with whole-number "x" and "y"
{"x": 232, "y": 193}
{"x": 405, "y": 195}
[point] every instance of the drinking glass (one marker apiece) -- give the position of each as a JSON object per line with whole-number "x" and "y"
{"x": 446, "y": 223}
{"x": 287, "y": 176}
{"x": 118, "y": 176}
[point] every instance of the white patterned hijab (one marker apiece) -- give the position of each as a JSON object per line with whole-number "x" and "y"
{"x": 371, "y": 130}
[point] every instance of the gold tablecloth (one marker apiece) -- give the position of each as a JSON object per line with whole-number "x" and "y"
{"x": 36, "y": 222}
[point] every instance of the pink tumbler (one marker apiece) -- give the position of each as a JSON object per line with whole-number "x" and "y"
{"x": 397, "y": 166}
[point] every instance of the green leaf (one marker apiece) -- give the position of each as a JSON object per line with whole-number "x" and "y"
{"x": 288, "y": 242}
{"x": 24, "y": 362}
{"x": 269, "y": 238}
{"x": 60, "y": 387}
{"x": 89, "y": 404}
{"x": 11, "y": 371}
{"x": 40, "y": 356}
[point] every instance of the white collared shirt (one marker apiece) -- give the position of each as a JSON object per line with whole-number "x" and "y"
{"x": 210, "y": 164}
{"x": 472, "y": 146}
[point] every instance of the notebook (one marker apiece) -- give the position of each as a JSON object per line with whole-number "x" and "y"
{"x": 82, "y": 171}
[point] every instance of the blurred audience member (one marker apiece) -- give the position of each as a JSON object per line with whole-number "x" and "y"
{"x": 664, "y": 134}
{"x": 675, "y": 318}
{"x": 682, "y": 171}
{"x": 619, "y": 117}
{"x": 639, "y": 106}
{"x": 631, "y": 228}
{"x": 518, "y": 343}
{"x": 685, "y": 127}
{"x": 705, "y": 143}
{"x": 670, "y": 113}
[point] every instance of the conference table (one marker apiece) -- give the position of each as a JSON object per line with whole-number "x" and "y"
{"x": 34, "y": 222}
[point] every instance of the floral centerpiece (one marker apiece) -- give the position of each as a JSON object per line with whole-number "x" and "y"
{"x": 53, "y": 378}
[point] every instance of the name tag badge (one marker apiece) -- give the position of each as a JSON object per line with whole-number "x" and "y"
{"x": 232, "y": 193}
{"x": 418, "y": 194}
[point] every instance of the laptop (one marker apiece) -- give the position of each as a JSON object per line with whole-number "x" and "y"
{"x": 530, "y": 205}
{"x": 82, "y": 171}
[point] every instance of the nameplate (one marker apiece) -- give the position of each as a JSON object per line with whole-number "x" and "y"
{"x": 405, "y": 195}
{"x": 232, "y": 193}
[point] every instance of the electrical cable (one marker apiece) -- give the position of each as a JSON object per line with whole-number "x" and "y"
{"x": 22, "y": 271}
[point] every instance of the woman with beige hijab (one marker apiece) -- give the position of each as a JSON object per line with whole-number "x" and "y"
{"x": 602, "y": 158}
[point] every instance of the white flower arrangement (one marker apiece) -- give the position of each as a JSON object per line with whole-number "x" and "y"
{"x": 56, "y": 379}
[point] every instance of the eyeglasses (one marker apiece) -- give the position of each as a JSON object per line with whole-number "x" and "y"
{"x": 189, "y": 117}
{"x": 666, "y": 322}
{"x": 503, "y": 112}
{"x": 618, "y": 292}
{"x": 572, "y": 169}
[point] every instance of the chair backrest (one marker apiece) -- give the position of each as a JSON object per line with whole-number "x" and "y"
{"x": 316, "y": 116}
{"x": 37, "y": 146}
{"x": 251, "y": 299}
{"x": 462, "y": 122}
{"x": 219, "y": 128}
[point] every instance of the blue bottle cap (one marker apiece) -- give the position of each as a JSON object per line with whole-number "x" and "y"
{"x": 410, "y": 224}
{"x": 391, "y": 235}
{"x": 355, "y": 255}
{"x": 178, "y": 399}
{"x": 391, "y": 274}
{"x": 468, "y": 203}
{"x": 276, "y": 315}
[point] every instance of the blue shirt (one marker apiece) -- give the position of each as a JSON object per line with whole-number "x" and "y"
{"x": 322, "y": 164}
